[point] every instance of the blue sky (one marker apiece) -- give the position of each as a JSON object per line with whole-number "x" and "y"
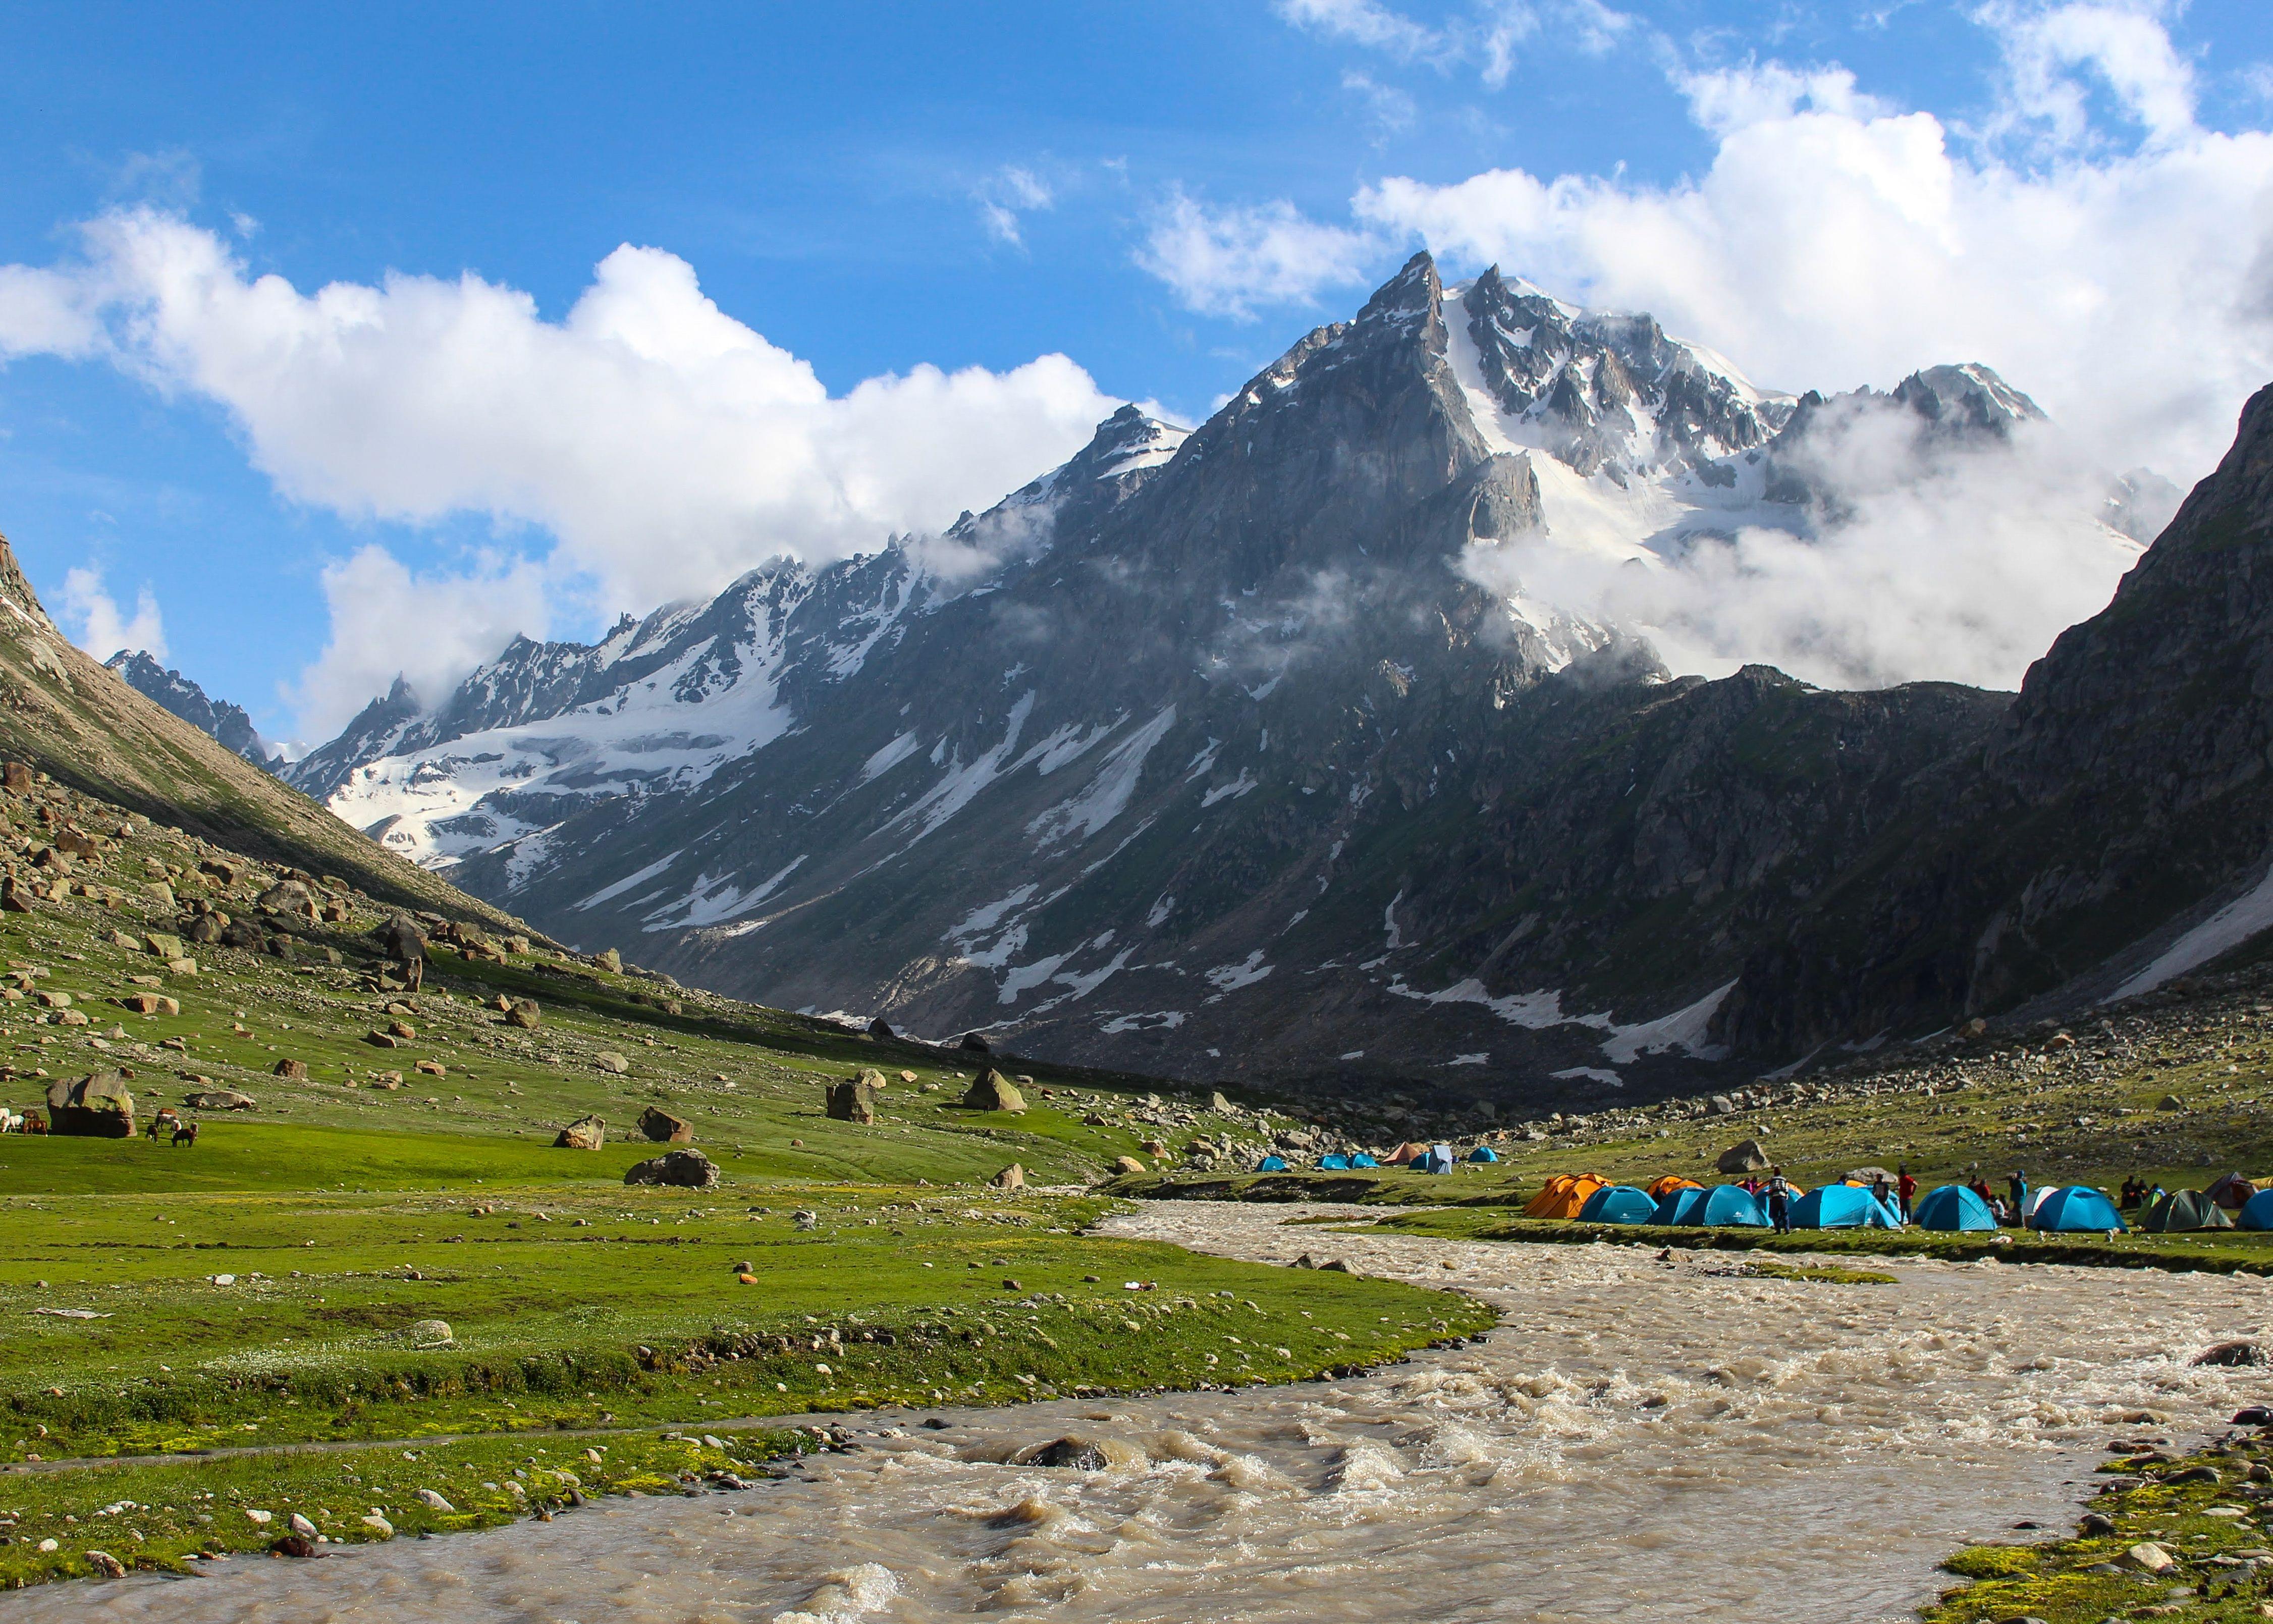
{"x": 1167, "y": 195}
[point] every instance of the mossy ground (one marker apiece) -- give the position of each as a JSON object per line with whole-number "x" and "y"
{"x": 157, "y": 1515}
{"x": 2214, "y": 1531}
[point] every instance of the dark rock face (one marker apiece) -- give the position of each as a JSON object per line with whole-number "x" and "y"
{"x": 660, "y": 1127}
{"x": 228, "y": 724}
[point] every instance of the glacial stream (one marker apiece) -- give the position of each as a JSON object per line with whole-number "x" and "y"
{"x": 1638, "y": 1439}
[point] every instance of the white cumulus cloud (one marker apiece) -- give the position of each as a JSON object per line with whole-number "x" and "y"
{"x": 663, "y": 445}
{"x": 1228, "y": 262}
{"x": 95, "y": 622}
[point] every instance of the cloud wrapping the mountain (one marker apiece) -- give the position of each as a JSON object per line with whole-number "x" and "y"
{"x": 1933, "y": 561}
{"x": 666, "y": 446}
{"x": 387, "y": 621}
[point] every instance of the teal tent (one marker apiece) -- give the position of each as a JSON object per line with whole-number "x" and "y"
{"x": 1483, "y": 1152}
{"x": 1271, "y": 1164}
{"x": 1953, "y": 1206}
{"x": 1843, "y": 1207}
{"x": 1438, "y": 1159}
{"x": 2076, "y": 1207}
{"x": 1362, "y": 1160}
{"x": 1617, "y": 1204}
{"x": 1724, "y": 1203}
{"x": 2256, "y": 1212}
{"x": 1333, "y": 1164}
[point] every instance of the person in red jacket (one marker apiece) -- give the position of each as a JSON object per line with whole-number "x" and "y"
{"x": 1905, "y": 1187}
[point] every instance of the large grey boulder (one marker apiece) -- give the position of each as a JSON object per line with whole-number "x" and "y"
{"x": 991, "y": 1091}
{"x": 1745, "y": 1158}
{"x": 690, "y": 1170}
{"x": 97, "y": 1106}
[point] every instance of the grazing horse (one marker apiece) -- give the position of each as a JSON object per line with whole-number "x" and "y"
{"x": 164, "y": 1121}
{"x": 185, "y": 1133}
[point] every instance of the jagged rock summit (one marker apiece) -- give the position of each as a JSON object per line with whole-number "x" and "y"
{"x": 228, "y": 724}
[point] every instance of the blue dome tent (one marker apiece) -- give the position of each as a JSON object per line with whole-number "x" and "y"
{"x": 1362, "y": 1160}
{"x": 1333, "y": 1164}
{"x": 1617, "y": 1204}
{"x": 1483, "y": 1152}
{"x": 1723, "y": 1204}
{"x": 2076, "y": 1207}
{"x": 1841, "y": 1207}
{"x": 1953, "y": 1206}
{"x": 1271, "y": 1164}
{"x": 2256, "y": 1212}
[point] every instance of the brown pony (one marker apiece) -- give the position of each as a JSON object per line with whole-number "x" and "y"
{"x": 185, "y": 1133}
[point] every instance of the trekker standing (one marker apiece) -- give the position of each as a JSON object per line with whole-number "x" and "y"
{"x": 2017, "y": 1189}
{"x": 1779, "y": 1201}
{"x": 1906, "y": 1187}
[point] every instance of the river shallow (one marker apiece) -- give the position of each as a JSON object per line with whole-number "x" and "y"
{"x": 1638, "y": 1438}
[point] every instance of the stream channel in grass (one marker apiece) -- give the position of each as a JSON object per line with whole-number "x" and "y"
{"x": 1638, "y": 1439}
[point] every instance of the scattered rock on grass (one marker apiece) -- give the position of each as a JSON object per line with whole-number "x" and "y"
{"x": 1745, "y": 1158}
{"x": 661, "y": 1128}
{"x": 991, "y": 1091}
{"x": 687, "y": 1169}
{"x": 523, "y": 1013}
{"x": 584, "y": 1133}
{"x": 1011, "y": 1177}
{"x": 219, "y": 1100}
{"x": 109, "y": 1565}
{"x": 294, "y": 1071}
{"x": 608, "y": 1060}
{"x": 1127, "y": 1164}
{"x": 434, "y": 1501}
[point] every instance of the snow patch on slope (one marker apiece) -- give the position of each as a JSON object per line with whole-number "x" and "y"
{"x": 2230, "y": 927}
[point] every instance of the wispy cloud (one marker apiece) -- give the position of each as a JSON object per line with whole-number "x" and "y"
{"x": 95, "y": 622}
{"x": 1006, "y": 194}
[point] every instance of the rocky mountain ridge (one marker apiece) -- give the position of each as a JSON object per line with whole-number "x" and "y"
{"x": 1208, "y": 754}
{"x": 228, "y": 724}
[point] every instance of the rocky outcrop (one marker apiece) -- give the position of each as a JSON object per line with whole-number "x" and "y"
{"x": 660, "y": 1127}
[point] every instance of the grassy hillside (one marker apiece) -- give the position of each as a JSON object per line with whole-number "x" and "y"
{"x": 63, "y": 713}
{"x": 388, "y": 1246}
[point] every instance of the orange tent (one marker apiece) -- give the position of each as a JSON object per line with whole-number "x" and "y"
{"x": 1564, "y": 1194}
{"x": 1406, "y": 1153}
{"x": 1670, "y": 1183}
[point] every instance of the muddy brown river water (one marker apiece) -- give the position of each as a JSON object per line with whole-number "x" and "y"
{"x": 1637, "y": 1440}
